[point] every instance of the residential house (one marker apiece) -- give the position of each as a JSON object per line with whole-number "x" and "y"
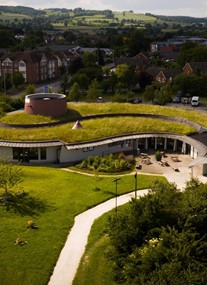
{"x": 195, "y": 67}
{"x": 162, "y": 75}
{"x": 165, "y": 76}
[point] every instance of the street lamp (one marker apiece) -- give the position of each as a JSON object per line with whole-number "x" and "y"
{"x": 116, "y": 181}
{"x": 135, "y": 184}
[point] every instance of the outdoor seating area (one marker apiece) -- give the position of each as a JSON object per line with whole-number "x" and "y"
{"x": 145, "y": 159}
{"x": 163, "y": 163}
{"x": 170, "y": 162}
{"x": 175, "y": 158}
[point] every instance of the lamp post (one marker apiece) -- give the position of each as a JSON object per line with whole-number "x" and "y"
{"x": 135, "y": 185}
{"x": 116, "y": 181}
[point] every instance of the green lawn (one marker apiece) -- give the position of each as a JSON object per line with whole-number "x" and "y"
{"x": 54, "y": 197}
{"x": 95, "y": 267}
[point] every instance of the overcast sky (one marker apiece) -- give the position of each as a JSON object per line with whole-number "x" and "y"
{"x": 195, "y": 8}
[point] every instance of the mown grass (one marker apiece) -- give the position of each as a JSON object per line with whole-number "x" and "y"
{"x": 53, "y": 199}
{"x": 95, "y": 267}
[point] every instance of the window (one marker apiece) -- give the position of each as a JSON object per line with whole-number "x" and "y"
{"x": 43, "y": 153}
{"x": 21, "y": 64}
{"x": 33, "y": 153}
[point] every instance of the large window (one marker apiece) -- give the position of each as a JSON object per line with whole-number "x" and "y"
{"x": 27, "y": 154}
{"x": 43, "y": 153}
{"x": 33, "y": 153}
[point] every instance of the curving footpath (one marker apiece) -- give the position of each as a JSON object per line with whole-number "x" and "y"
{"x": 70, "y": 256}
{"x": 68, "y": 262}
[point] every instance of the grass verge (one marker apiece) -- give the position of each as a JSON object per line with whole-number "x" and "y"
{"x": 95, "y": 267}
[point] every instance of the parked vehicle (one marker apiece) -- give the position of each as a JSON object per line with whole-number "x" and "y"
{"x": 137, "y": 101}
{"x": 195, "y": 101}
{"x": 177, "y": 99}
{"x": 100, "y": 100}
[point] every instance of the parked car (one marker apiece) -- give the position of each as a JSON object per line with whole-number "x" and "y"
{"x": 177, "y": 99}
{"x": 137, "y": 101}
{"x": 100, "y": 100}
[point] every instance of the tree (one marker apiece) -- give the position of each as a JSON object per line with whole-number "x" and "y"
{"x": 89, "y": 59}
{"x": 161, "y": 237}
{"x": 93, "y": 91}
{"x": 30, "y": 89}
{"x": 64, "y": 83}
{"x": 18, "y": 79}
{"x": 10, "y": 175}
{"x": 126, "y": 75}
{"x": 80, "y": 78}
{"x": 75, "y": 93}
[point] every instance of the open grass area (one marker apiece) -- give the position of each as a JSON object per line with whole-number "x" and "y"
{"x": 54, "y": 197}
{"x": 95, "y": 267}
{"x": 12, "y": 16}
{"x": 134, "y": 16}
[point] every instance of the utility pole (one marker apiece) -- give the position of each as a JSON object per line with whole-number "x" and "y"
{"x": 116, "y": 181}
{"x": 135, "y": 185}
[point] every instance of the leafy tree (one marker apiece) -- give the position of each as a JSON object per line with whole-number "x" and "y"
{"x": 94, "y": 90}
{"x": 75, "y": 94}
{"x": 7, "y": 38}
{"x": 191, "y": 83}
{"x": 100, "y": 58}
{"x": 80, "y": 78}
{"x": 64, "y": 83}
{"x": 18, "y": 79}
{"x": 10, "y": 175}
{"x": 30, "y": 89}
{"x": 93, "y": 72}
{"x": 89, "y": 59}
{"x": 75, "y": 65}
{"x": 198, "y": 53}
{"x": 126, "y": 75}
{"x": 150, "y": 91}
{"x": 161, "y": 238}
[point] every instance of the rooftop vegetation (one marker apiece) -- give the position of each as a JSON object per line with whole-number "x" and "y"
{"x": 100, "y": 128}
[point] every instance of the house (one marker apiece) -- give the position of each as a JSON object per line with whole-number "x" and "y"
{"x": 35, "y": 66}
{"x": 195, "y": 67}
{"x": 165, "y": 76}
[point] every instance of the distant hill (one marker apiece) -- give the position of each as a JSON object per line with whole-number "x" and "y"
{"x": 22, "y": 10}
{"x": 179, "y": 19}
{"x": 36, "y": 12}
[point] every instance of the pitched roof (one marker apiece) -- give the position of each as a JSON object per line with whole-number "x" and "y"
{"x": 196, "y": 66}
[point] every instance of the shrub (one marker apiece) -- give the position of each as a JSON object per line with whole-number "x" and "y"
{"x": 158, "y": 156}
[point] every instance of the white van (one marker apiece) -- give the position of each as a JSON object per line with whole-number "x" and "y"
{"x": 195, "y": 101}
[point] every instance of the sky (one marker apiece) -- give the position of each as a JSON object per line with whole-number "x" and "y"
{"x": 194, "y": 8}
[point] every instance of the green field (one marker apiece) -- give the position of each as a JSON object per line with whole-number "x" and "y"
{"x": 54, "y": 197}
{"x": 12, "y": 17}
